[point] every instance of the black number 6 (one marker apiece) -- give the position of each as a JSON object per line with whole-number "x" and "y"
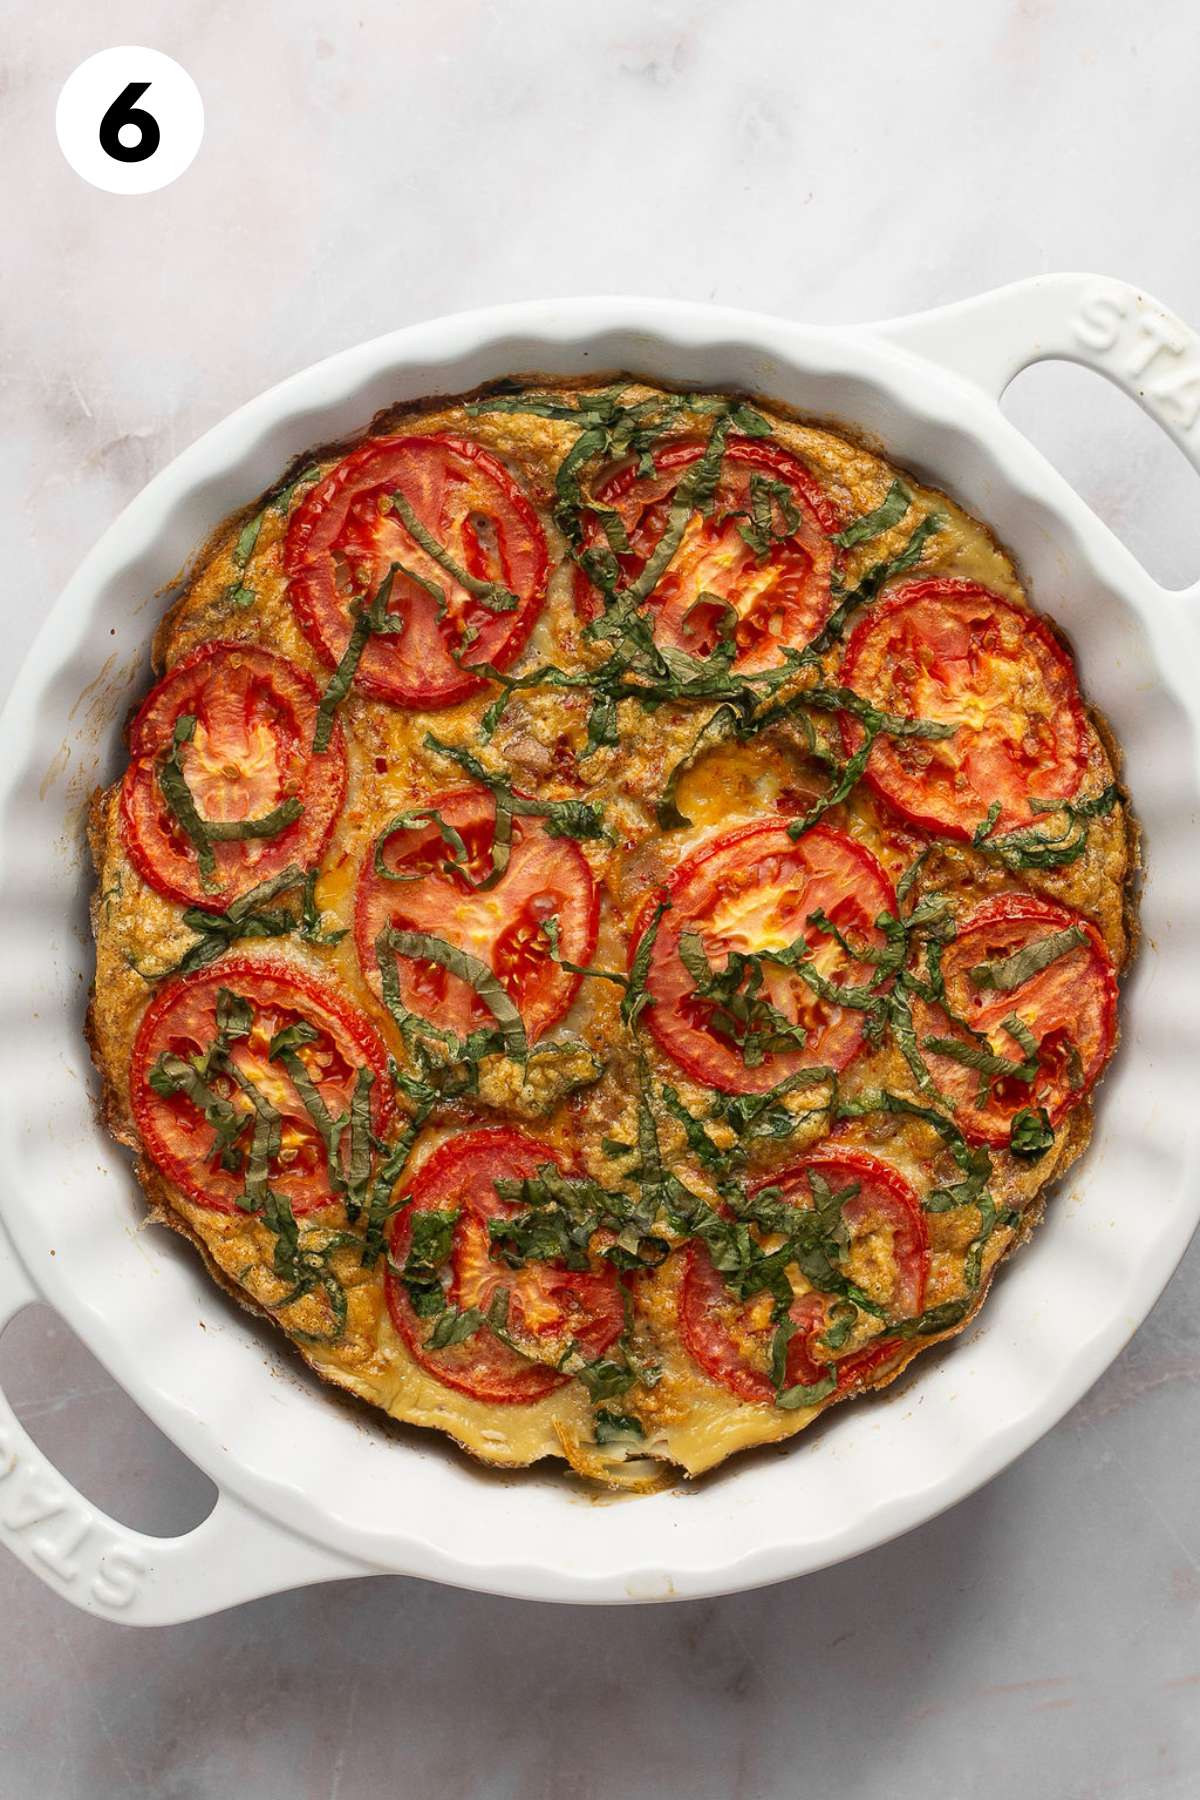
{"x": 125, "y": 111}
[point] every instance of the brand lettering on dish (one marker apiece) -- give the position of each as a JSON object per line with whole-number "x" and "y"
{"x": 63, "y": 1534}
{"x": 1153, "y": 352}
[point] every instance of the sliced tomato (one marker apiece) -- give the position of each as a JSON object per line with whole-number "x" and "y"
{"x": 502, "y": 926}
{"x": 548, "y": 1307}
{"x": 250, "y": 751}
{"x": 1070, "y": 1007}
{"x": 952, "y": 651}
{"x": 780, "y": 599}
{"x": 182, "y": 1021}
{"x": 750, "y": 890}
{"x": 347, "y": 533}
{"x": 887, "y": 1255}
{"x": 731, "y": 1339}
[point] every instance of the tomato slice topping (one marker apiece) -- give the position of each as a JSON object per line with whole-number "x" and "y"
{"x": 249, "y": 752}
{"x": 780, "y": 597}
{"x": 549, "y": 1307}
{"x": 744, "y": 892}
{"x": 952, "y": 651}
{"x": 1069, "y": 1007}
{"x": 501, "y": 925}
{"x": 348, "y": 531}
{"x": 182, "y": 1023}
{"x": 887, "y": 1257}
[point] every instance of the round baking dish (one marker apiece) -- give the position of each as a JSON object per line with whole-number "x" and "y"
{"x": 308, "y": 1492}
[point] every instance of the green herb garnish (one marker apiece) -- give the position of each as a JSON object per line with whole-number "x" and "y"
{"x": 239, "y": 592}
{"x": 1029, "y": 848}
{"x": 203, "y": 833}
{"x": 252, "y": 916}
{"x": 560, "y": 818}
{"x": 767, "y": 498}
{"x": 616, "y": 1428}
{"x": 421, "y": 946}
{"x": 889, "y": 512}
{"x": 431, "y": 1239}
{"x": 368, "y": 621}
{"x": 1031, "y": 1134}
{"x": 490, "y": 594}
{"x": 1008, "y": 972}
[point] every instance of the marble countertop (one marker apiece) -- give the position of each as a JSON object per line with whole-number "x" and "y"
{"x": 364, "y": 167}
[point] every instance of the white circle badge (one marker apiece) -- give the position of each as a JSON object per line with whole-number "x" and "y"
{"x": 129, "y": 120}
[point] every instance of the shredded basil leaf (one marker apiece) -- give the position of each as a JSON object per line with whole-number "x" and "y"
{"x": 718, "y": 728}
{"x": 311, "y": 929}
{"x": 1031, "y": 1134}
{"x": 491, "y": 594}
{"x": 178, "y": 796}
{"x": 301, "y": 1259}
{"x": 1029, "y": 848}
{"x": 740, "y": 1007}
{"x": 791, "y": 1398}
{"x": 875, "y": 578}
{"x": 637, "y": 998}
{"x": 243, "y": 550}
{"x": 551, "y": 927}
{"x": 605, "y": 1376}
{"x": 1008, "y": 972}
{"x": 933, "y": 1319}
{"x": 173, "y": 1074}
{"x": 350, "y": 1182}
{"x": 380, "y": 1207}
{"x": 369, "y": 620}
{"x": 457, "y": 862}
{"x": 616, "y": 1428}
{"x": 252, "y": 916}
{"x": 760, "y": 531}
{"x": 431, "y": 1240}
{"x": 577, "y": 819}
{"x": 560, "y": 1215}
{"x": 889, "y": 512}
{"x": 239, "y": 592}
{"x": 203, "y": 833}
{"x": 495, "y": 996}
{"x": 453, "y": 1326}
{"x": 974, "y": 1163}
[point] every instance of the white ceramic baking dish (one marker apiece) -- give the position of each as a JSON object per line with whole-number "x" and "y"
{"x": 308, "y": 1490}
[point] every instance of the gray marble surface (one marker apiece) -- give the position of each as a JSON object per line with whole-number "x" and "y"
{"x": 367, "y": 166}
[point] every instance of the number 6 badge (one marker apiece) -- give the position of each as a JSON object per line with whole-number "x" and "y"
{"x": 129, "y": 120}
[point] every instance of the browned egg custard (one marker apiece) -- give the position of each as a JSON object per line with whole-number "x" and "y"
{"x": 611, "y": 921}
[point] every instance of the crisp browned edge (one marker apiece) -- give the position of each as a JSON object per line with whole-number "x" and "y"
{"x": 160, "y": 1209}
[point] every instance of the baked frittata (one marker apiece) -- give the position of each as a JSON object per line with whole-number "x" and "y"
{"x": 611, "y": 921}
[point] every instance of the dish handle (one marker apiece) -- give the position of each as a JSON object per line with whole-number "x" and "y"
{"x": 108, "y": 1569}
{"x": 1104, "y": 324}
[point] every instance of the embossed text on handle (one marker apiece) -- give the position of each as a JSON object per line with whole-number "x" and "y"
{"x": 79, "y": 1549}
{"x": 1144, "y": 349}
